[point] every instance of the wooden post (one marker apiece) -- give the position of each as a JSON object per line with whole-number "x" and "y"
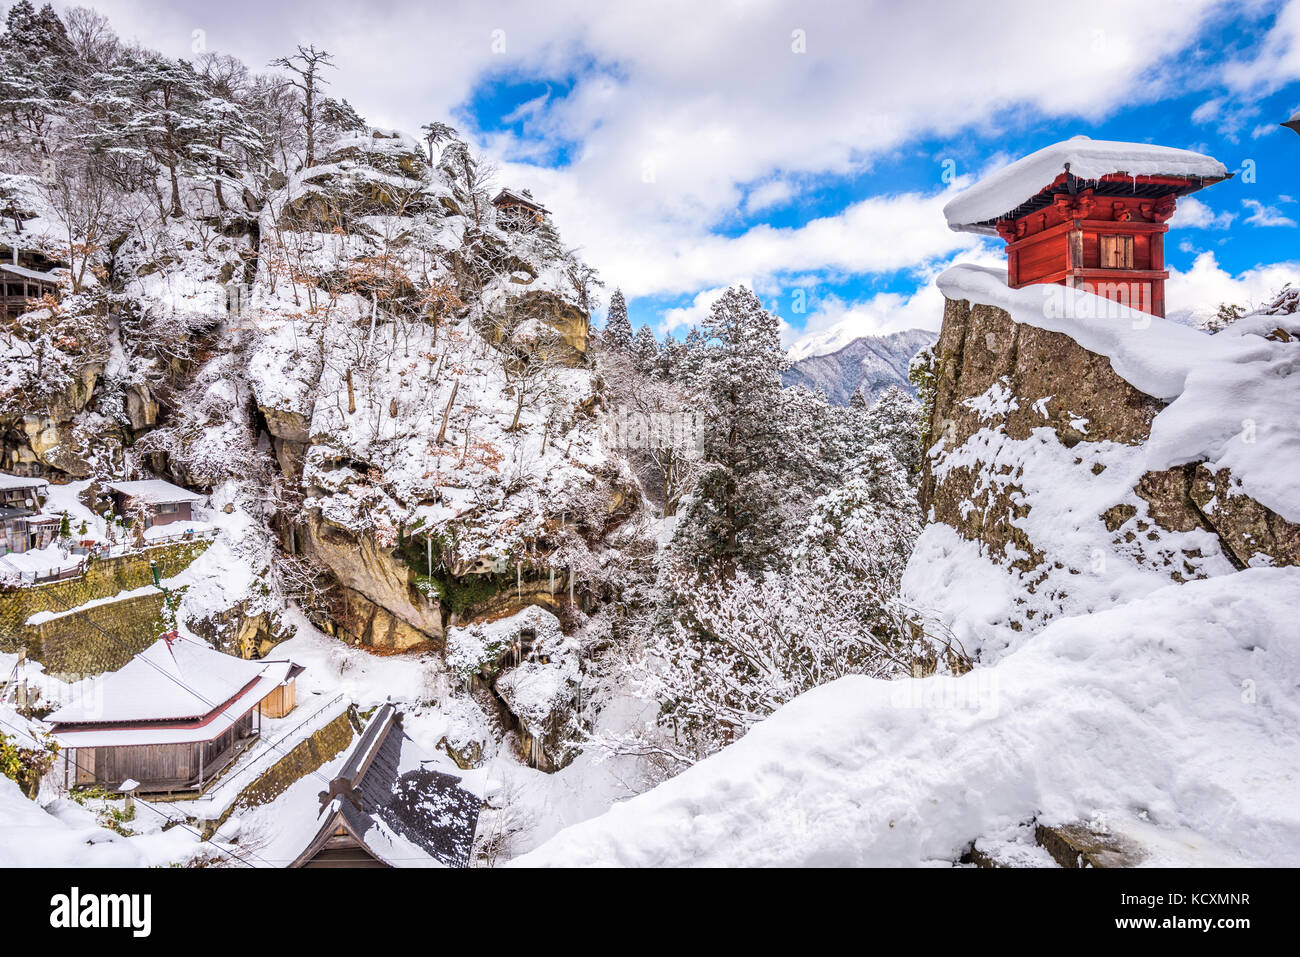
{"x": 22, "y": 681}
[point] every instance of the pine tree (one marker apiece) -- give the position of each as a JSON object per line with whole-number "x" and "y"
{"x": 645, "y": 350}
{"x": 894, "y": 421}
{"x": 1224, "y": 316}
{"x": 227, "y": 141}
{"x": 435, "y": 133}
{"x": 167, "y": 121}
{"x": 618, "y": 330}
{"x": 732, "y": 652}
{"x": 670, "y": 357}
{"x": 736, "y": 515}
{"x": 35, "y": 70}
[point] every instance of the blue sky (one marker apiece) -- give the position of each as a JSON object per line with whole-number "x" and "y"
{"x": 802, "y": 146}
{"x": 1247, "y": 222}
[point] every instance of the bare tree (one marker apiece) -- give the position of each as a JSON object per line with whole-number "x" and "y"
{"x": 306, "y": 65}
{"x": 85, "y": 203}
{"x": 503, "y": 827}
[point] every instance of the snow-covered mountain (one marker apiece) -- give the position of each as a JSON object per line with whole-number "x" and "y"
{"x": 872, "y": 363}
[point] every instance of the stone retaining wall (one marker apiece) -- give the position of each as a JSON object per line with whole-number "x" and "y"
{"x": 75, "y": 643}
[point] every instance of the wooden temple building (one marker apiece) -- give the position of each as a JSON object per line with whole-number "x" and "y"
{"x": 1087, "y": 213}
{"x": 172, "y": 719}
{"x": 387, "y": 808}
{"x": 23, "y": 526}
{"x": 518, "y": 210}
{"x": 24, "y": 275}
{"x": 162, "y": 503}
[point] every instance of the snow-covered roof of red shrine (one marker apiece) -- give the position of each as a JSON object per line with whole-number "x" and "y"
{"x": 155, "y": 491}
{"x": 192, "y": 692}
{"x": 999, "y": 193}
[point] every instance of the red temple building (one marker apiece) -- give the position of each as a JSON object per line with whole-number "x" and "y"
{"x": 1088, "y": 213}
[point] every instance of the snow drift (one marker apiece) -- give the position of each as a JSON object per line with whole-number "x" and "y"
{"x": 1173, "y": 713}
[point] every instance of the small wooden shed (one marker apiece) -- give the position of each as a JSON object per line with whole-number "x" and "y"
{"x": 518, "y": 210}
{"x": 284, "y": 698}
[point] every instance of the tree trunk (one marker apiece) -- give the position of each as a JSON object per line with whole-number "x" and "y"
{"x": 446, "y": 413}
{"x": 309, "y": 116}
{"x": 177, "y": 211}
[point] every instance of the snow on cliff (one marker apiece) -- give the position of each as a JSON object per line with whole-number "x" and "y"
{"x": 1233, "y": 403}
{"x": 1172, "y": 718}
{"x": 1001, "y": 192}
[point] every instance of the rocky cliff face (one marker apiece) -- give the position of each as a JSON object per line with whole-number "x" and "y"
{"x": 1000, "y": 387}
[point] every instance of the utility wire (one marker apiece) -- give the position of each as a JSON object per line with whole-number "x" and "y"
{"x": 166, "y": 817}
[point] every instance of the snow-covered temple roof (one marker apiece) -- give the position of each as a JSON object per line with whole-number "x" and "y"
{"x": 8, "y": 482}
{"x": 176, "y": 690}
{"x": 1000, "y": 194}
{"x": 509, "y": 196}
{"x": 32, "y": 274}
{"x": 155, "y": 492}
{"x": 402, "y": 812}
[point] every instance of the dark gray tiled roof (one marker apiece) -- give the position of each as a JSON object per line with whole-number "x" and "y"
{"x": 426, "y": 808}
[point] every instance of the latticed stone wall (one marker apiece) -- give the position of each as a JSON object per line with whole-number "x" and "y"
{"x": 74, "y": 642}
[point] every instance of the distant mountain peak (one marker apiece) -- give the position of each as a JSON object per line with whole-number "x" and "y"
{"x": 839, "y": 364}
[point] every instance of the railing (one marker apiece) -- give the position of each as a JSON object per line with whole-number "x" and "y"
{"x": 268, "y": 755}
{"x": 13, "y": 575}
{"x": 191, "y": 535}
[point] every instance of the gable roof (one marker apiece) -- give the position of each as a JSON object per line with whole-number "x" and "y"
{"x": 155, "y": 492}
{"x": 509, "y": 196}
{"x": 403, "y": 813}
{"x": 174, "y": 680}
{"x": 8, "y": 482}
{"x": 32, "y": 274}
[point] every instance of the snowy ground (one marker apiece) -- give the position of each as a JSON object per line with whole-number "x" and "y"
{"x": 1171, "y": 718}
{"x": 537, "y": 804}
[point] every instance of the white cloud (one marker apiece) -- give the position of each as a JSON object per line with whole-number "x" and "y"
{"x": 1265, "y": 215}
{"x": 1193, "y": 213}
{"x": 683, "y": 317}
{"x": 769, "y": 194}
{"x": 1197, "y": 293}
{"x": 834, "y": 322}
{"x": 1277, "y": 59}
